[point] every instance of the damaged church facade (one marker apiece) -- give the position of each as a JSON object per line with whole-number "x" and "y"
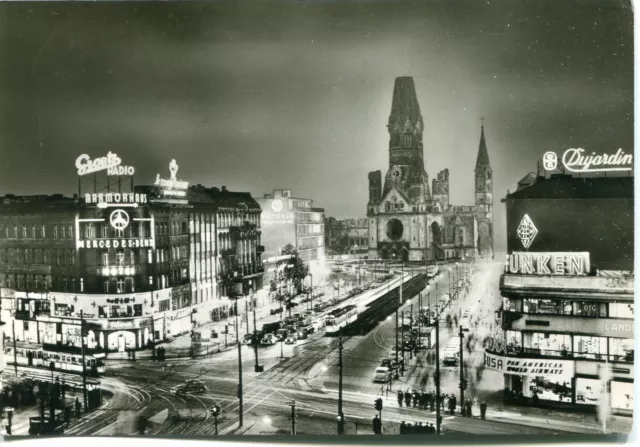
{"x": 408, "y": 220}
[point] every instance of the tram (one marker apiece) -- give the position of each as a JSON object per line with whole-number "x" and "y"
{"x": 340, "y": 318}
{"x": 36, "y": 356}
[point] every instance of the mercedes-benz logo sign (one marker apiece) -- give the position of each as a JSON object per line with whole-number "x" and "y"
{"x": 119, "y": 220}
{"x": 276, "y": 205}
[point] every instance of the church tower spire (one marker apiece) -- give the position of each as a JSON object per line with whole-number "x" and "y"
{"x": 405, "y": 126}
{"x": 484, "y": 198}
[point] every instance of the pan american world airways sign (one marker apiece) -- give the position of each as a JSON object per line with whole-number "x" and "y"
{"x": 528, "y": 367}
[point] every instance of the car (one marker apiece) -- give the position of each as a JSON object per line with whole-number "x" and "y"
{"x": 268, "y": 339}
{"x": 281, "y": 334}
{"x": 388, "y": 363}
{"x": 290, "y": 341}
{"x": 381, "y": 374}
{"x": 192, "y": 386}
{"x": 248, "y": 339}
{"x": 302, "y": 334}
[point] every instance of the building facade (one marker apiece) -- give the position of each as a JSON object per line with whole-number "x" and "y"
{"x": 136, "y": 267}
{"x": 290, "y": 220}
{"x": 409, "y": 220}
{"x": 346, "y": 236}
{"x": 568, "y": 294}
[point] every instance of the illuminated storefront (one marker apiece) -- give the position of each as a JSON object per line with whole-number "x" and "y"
{"x": 568, "y": 296}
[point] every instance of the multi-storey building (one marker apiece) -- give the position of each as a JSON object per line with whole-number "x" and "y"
{"x": 346, "y": 236}
{"x": 409, "y": 221}
{"x": 291, "y": 220}
{"x": 568, "y": 293}
{"x": 136, "y": 267}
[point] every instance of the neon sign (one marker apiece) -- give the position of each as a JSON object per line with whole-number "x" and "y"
{"x": 112, "y": 199}
{"x": 549, "y": 263}
{"x": 173, "y": 186}
{"x": 111, "y": 163}
{"x": 575, "y": 160}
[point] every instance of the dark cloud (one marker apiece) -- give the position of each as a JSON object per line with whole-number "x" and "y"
{"x": 259, "y": 95}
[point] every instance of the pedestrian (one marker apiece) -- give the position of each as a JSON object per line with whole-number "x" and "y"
{"x": 416, "y": 398}
{"x": 419, "y": 428}
{"x": 453, "y": 404}
{"x": 432, "y": 404}
{"x": 469, "y": 414}
{"x": 78, "y": 408}
{"x": 423, "y": 399}
{"x": 442, "y": 397}
{"x": 483, "y": 410}
{"x": 403, "y": 428}
{"x": 400, "y": 396}
{"x": 67, "y": 415}
{"x": 377, "y": 425}
{"x": 439, "y": 421}
{"x": 407, "y": 398}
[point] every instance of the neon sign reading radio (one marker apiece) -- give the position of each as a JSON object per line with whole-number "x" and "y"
{"x": 575, "y": 160}
{"x": 111, "y": 163}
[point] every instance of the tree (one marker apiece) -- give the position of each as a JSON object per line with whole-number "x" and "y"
{"x": 293, "y": 271}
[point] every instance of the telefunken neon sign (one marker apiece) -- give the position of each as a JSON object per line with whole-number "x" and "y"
{"x": 111, "y": 163}
{"x": 172, "y": 187}
{"x": 575, "y": 160}
{"x": 548, "y": 263}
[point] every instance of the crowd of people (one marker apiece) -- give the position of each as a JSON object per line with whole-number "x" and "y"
{"x": 417, "y": 428}
{"x": 427, "y": 400}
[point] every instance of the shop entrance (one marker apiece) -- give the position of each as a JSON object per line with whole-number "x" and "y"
{"x": 121, "y": 341}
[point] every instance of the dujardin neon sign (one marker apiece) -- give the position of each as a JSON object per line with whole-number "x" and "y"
{"x": 577, "y": 160}
{"x": 111, "y": 163}
{"x": 172, "y": 187}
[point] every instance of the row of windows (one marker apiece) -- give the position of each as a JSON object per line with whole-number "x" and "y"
{"x": 59, "y": 231}
{"x": 106, "y": 231}
{"x": 567, "y": 307}
{"x": 47, "y": 256}
{"x": 226, "y": 220}
{"x": 580, "y": 346}
{"x": 171, "y": 229}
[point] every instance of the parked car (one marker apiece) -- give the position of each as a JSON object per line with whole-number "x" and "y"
{"x": 281, "y": 334}
{"x": 248, "y": 339}
{"x": 290, "y": 340}
{"x": 302, "y": 334}
{"x": 381, "y": 374}
{"x": 268, "y": 340}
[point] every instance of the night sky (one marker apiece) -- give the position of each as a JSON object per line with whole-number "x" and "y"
{"x": 257, "y": 95}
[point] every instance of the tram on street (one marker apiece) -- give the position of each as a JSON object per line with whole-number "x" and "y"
{"x": 35, "y": 356}
{"x": 340, "y": 318}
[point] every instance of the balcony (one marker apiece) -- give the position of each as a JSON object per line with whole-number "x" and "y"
{"x": 574, "y": 324}
{"x": 536, "y": 353}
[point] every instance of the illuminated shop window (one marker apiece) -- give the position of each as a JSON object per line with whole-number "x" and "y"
{"x": 621, "y": 349}
{"x": 512, "y": 305}
{"x": 150, "y": 256}
{"x": 546, "y": 344}
{"x": 588, "y": 347}
{"x": 542, "y": 306}
{"x": 590, "y": 309}
{"x": 621, "y": 310}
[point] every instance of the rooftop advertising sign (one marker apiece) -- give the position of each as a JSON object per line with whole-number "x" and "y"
{"x": 576, "y": 160}
{"x": 111, "y": 163}
{"x": 275, "y": 214}
{"x": 172, "y": 187}
{"x": 549, "y": 263}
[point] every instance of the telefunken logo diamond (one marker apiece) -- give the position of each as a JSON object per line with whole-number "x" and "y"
{"x": 527, "y": 231}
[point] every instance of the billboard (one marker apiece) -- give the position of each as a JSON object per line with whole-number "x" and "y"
{"x": 601, "y": 227}
{"x": 277, "y": 224}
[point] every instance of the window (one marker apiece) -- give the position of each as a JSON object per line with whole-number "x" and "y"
{"x": 105, "y": 258}
{"x": 550, "y": 307}
{"x": 120, "y": 285}
{"x": 65, "y": 284}
{"x": 589, "y": 347}
{"x": 15, "y": 231}
{"x": 150, "y": 280}
{"x": 106, "y": 286}
{"x": 72, "y": 258}
{"x": 132, "y": 283}
{"x": 43, "y": 231}
{"x": 6, "y": 231}
{"x": 104, "y": 231}
{"x": 24, "y": 231}
{"x": 150, "y": 256}
{"x": 33, "y": 231}
{"x": 82, "y": 285}
{"x": 58, "y": 257}
{"x": 25, "y": 325}
{"x": 132, "y": 257}
{"x": 28, "y": 256}
{"x": 70, "y": 231}
{"x": 55, "y": 232}
{"x": 36, "y": 282}
{"x": 512, "y": 305}
{"x": 620, "y": 310}
{"x": 120, "y": 259}
{"x": 19, "y": 256}
{"x": 621, "y": 349}
{"x": 62, "y": 232}
{"x": 546, "y": 344}
{"x": 590, "y": 309}
{"x": 3, "y": 255}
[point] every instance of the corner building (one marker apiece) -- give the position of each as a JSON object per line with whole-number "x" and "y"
{"x": 568, "y": 294}
{"x": 408, "y": 220}
{"x": 135, "y": 274}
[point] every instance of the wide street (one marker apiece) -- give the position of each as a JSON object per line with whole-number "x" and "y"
{"x": 308, "y": 375}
